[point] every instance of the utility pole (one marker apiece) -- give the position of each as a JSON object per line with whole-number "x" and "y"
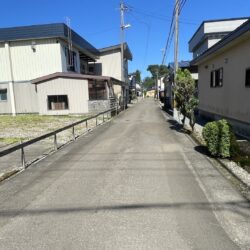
{"x": 157, "y": 86}
{"x": 122, "y": 39}
{"x": 176, "y": 43}
{"x": 123, "y": 8}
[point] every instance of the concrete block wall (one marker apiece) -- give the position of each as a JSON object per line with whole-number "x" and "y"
{"x": 96, "y": 106}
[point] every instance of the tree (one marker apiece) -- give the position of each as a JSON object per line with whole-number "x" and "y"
{"x": 163, "y": 71}
{"x": 148, "y": 83}
{"x": 158, "y": 72}
{"x": 138, "y": 76}
{"x": 153, "y": 69}
{"x": 185, "y": 100}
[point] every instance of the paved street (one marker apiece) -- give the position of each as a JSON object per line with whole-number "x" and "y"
{"x": 134, "y": 183}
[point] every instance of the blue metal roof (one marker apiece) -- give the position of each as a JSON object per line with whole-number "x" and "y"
{"x": 55, "y": 30}
{"x": 181, "y": 64}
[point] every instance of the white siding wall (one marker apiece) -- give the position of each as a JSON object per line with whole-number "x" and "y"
{"x": 5, "y": 106}
{"x": 75, "y": 89}
{"x": 29, "y": 65}
{"x": 233, "y": 99}
{"x": 111, "y": 65}
{"x": 4, "y": 64}
{"x": 213, "y": 27}
{"x": 26, "y": 98}
{"x": 212, "y": 42}
{"x": 222, "y": 26}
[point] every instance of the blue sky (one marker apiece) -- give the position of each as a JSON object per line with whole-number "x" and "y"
{"x": 98, "y": 22}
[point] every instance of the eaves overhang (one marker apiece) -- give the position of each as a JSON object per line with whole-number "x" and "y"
{"x": 46, "y": 31}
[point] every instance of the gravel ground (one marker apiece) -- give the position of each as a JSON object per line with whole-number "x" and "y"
{"x": 234, "y": 168}
{"x": 23, "y": 128}
{"x": 26, "y": 130}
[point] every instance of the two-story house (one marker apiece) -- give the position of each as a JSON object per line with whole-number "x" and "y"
{"x": 33, "y": 52}
{"x": 224, "y": 79}
{"x": 109, "y": 63}
{"x": 210, "y": 32}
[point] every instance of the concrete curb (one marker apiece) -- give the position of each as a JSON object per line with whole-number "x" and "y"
{"x": 241, "y": 174}
{"x": 6, "y": 175}
{"x": 232, "y": 167}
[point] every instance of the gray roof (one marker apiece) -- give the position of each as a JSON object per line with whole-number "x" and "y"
{"x": 55, "y": 30}
{"x": 127, "y": 52}
{"x": 49, "y": 77}
{"x": 241, "y": 30}
{"x": 181, "y": 64}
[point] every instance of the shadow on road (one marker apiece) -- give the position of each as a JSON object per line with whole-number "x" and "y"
{"x": 202, "y": 150}
{"x": 235, "y": 207}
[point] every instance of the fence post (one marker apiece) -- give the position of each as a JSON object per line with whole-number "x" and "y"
{"x": 103, "y": 117}
{"x": 73, "y": 133}
{"x": 96, "y": 121}
{"x": 87, "y": 125}
{"x": 23, "y": 158}
{"x": 55, "y": 142}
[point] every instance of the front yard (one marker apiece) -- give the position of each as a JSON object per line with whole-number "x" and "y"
{"x": 25, "y": 127}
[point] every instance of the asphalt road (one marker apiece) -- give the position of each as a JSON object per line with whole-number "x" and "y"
{"x": 135, "y": 183}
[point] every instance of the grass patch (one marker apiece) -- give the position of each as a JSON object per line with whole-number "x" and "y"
{"x": 21, "y": 120}
{"x": 25, "y": 127}
{"x": 243, "y": 160}
{"x": 10, "y": 140}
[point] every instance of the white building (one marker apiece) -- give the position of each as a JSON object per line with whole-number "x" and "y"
{"x": 109, "y": 64}
{"x": 210, "y": 32}
{"x": 31, "y": 52}
{"x": 224, "y": 80}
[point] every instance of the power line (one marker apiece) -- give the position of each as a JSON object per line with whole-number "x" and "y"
{"x": 158, "y": 16}
{"x": 148, "y": 34}
{"x": 169, "y": 36}
{"x": 172, "y": 28}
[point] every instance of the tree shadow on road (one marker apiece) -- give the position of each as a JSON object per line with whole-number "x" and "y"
{"x": 202, "y": 150}
{"x": 174, "y": 125}
{"x": 238, "y": 207}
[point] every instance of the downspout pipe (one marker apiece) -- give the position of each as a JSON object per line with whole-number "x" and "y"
{"x": 11, "y": 83}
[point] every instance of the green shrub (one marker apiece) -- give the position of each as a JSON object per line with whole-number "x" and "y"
{"x": 224, "y": 138}
{"x": 210, "y": 134}
{"x": 220, "y": 139}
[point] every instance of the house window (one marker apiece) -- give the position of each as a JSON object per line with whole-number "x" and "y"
{"x": 212, "y": 81}
{"x": 3, "y": 94}
{"x": 216, "y": 78}
{"x": 58, "y": 102}
{"x": 91, "y": 69}
{"x": 97, "y": 90}
{"x": 247, "y": 83}
{"x": 71, "y": 59}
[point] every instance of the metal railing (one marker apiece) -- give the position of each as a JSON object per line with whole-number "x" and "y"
{"x": 72, "y": 126}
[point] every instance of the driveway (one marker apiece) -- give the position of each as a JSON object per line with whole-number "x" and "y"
{"x": 134, "y": 183}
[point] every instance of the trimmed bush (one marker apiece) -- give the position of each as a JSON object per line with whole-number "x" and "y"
{"x": 220, "y": 139}
{"x": 210, "y": 134}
